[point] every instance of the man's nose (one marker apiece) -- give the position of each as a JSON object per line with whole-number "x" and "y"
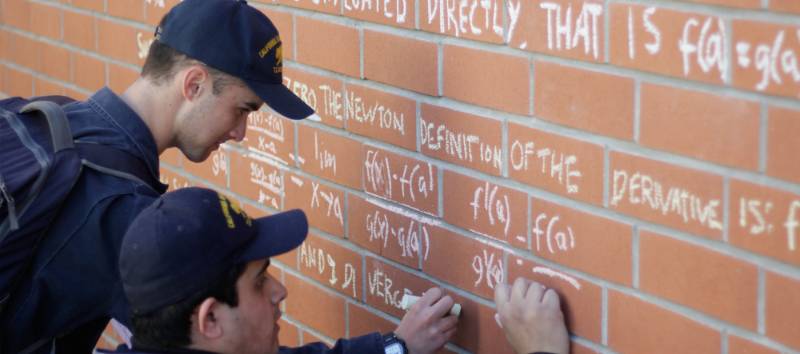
{"x": 239, "y": 131}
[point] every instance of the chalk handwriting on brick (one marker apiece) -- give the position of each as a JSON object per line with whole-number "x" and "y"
{"x": 462, "y": 146}
{"x": 219, "y": 164}
{"x": 569, "y": 31}
{"x": 376, "y": 113}
{"x": 555, "y": 164}
{"x": 143, "y": 44}
{"x": 496, "y": 207}
{"x": 381, "y": 285}
{"x": 475, "y": 17}
{"x": 413, "y": 179}
{"x": 644, "y": 190}
{"x": 390, "y": 9}
{"x": 333, "y": 206}
{"x": 406, "y": 237}
{"x": 557, "y": 275}
{"x": 306, "y": 92}
{"x": 326, "y": 159}
{"x": 323, "y": 263}
{"x": 332, "y": 99}
{"x": 159, "y": 3}
{"x": 550, "y": 233}
{"x": 772, "y": 60}
{"x": 654, "y": 46}
{"x": 488, "y": 267}
{"x": 754, "y": 216}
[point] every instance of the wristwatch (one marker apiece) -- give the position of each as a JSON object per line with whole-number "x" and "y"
{"x": 392, "y": 344}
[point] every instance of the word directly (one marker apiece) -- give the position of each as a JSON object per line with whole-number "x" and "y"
{"x": 475, "y": 17}
{"x": 317, "y": 259}
{"x": 644, "y": 190}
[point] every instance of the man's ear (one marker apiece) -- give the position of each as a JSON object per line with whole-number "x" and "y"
{"x": 209, "y": 324}
{"x": 193, "y": 79}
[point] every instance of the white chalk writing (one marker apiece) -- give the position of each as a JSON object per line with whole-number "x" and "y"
{"x": 560, "y": 166}
{"x": 398, "y": 10}
{"x": 380, "y": 285}
{"x": 496, "y": 207}
{"x": 377, "y": 113}
{"x": 772, "y": 60}
{"x": 407, "y": 237}
{"x": 333, "y": 204}
{"x": 460, "y": 145}
{"x": 560, "y": 35}
{"x": 556, "y": 238}
{"x": 413, "y": 179}
{"x": 317, "y": 259}
{"x": 488, "y": 267}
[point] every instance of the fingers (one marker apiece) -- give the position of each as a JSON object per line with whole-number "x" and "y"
{"x": 519, "y": 289}
{"x": 535, "y": 292}
{"x": 501, "y": 293}
{"x": 442, "y": 306}
{"x": 551, "y": 299}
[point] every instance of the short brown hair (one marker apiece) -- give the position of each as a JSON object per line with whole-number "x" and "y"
{"x": 163, "y": 62}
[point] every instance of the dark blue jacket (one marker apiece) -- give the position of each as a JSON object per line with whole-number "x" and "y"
{"x": 367, "y": 344}
{"x": 74, "y": 287}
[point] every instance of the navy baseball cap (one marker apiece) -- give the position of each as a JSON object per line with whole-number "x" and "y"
{"x": 235, "y": 38}
{"x": 187, "y": 238}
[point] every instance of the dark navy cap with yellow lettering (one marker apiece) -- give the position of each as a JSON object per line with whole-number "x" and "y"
{"x": 235, "y": 38}
{"x": 188, "y": 238}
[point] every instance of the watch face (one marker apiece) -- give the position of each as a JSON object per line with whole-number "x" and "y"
{"x": 394, "y": 348}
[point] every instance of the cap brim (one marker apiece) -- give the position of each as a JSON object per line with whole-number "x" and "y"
{"x": 276, "y": 234}
{"x": 281, "y": 100}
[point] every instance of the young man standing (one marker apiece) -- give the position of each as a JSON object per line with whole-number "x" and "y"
{"x": 211, "y": 64}
{"x": 194, "y": 268}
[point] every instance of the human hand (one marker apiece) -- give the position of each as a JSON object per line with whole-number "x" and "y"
{"x": 531, "y": 317}
{"x": 425, "y": 328}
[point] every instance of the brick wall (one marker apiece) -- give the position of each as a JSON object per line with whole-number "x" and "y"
{"x": 639, "y": 156}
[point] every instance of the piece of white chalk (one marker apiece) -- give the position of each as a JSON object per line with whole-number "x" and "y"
{"x": 497, "y": 319}
{"x": 409, "y": 300}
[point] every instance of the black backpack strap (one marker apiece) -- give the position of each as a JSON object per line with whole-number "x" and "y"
{"x": 118, "y": 163}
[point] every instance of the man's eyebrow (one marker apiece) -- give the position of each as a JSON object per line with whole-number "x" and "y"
{"x": 253, "y": 106}
{"x": 263, "y": 268}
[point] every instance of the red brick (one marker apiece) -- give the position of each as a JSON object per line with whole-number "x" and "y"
{"x": 391, "y": 234}
{"x": 678, "y": 197}
{"x": 748, "y": 4}
{"x": 47, "y": 20}
{"x": 657, "y": 36}
{"x": 485, "y": 208}
{"x": 329, "y": 155}
{"x": 172, "y": 156}
{"x": 153, "y": 11}
{"x": 329, "y": 263}
{"x": 765, "y": 220}
{"x": 17, "y": 83}
{"x": 403, "y": 62}
{"x": 25, "y": 52}
{"x": 326, "y": 6}
{"x": 284, "y": 22}
{"x": 582, "y": 241}
{"x": 471, "y": 19}
{"x": 710, "y": 282}
{"x": 362, "y": 321}
{"x": 785, "y": 6}
{"x": 257, "y": 178}
{"x": 738, "y": 345}
{"x": 121, "y": 42}
{"x": 328, "y": 46}
{"x": 468, "y": 264}
{"x": 386, "y": 285}
{"x": 582, "y": 99}
{"x": 315, "y": 307}
{"x": 323, "y": 94}
{"x": 289, "y": 334}
{"x": 127, "y": 9}
{"x": 323, "y": 204}
{"x": 56, "y": 61}
{"x": 783, "y": 305}
{"x": 120, "y": 77}
{"x": 705, "y": 126}
{"x": 5, "y": 44}
{"x": 173, "y": 180}
{"x": 79, "y": 30}
{"x": 401, "y": 179}
{"x": 309, "y": 338}
{"x": 45, "y": 87}
{"x": 214, "y": 169}
{"x": 765, "y": 58}
{"x": 381, "y": 116}
{"x": 635, "y": 326}
{"x": 461, "y": 138}
{"x": 92, "y": 5}
{"x": 87, "y": 72}
{"x": 271, "y": 135}
{"x": 477, "y": 329}
{"x": 582, "y": 38}
{"x": 399, "y": 13}
{"x": 17, "y": 13}
{"x": 487, "y": 79}
{"x": 782, "y": 144}
{"x": 581, "y": 300}
{"x": 556, "y": 163}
